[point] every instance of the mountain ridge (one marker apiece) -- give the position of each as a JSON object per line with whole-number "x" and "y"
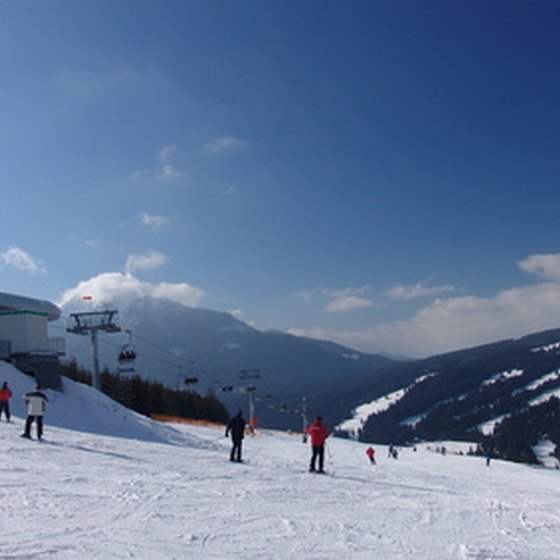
{"x": 503, "y": 395}
{"x": 173, "y": 341}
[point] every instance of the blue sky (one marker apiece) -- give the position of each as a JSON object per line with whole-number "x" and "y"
{"x": 383, "y": 174}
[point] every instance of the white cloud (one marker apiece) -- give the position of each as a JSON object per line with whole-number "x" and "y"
{"x": 315, "y": 332}
{"x": 347, "y": 299}
{"x": 224, "y": 144}
{"x": 346, "y": 303}
{"x": 150, "y": 259}
{"x": 460, "y": 322}
{"x": 121, "y": 288}
{"x": 417, "y": 290}
{"x": 338, "y": 301}
{"x": 544, "y": 266}
{"x": 154, "y": 221}
{"x": 237, "y": 313}
{"x": 165, "y": 172}
{"x": 167, "y": 152}
{"x": 17, "y": 258}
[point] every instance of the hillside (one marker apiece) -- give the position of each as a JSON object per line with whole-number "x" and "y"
{"x": 164, "y": 492}
{"x": 82, "y": 408}
{"x": 503, "y": 395}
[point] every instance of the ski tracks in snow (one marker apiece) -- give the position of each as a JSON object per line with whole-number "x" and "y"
{"x": 85, "y": 496}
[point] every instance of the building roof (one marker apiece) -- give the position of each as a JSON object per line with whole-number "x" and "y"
{"x": 12, "y": 302}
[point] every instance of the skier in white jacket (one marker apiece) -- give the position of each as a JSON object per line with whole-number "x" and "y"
{"x": 36, "y": 402}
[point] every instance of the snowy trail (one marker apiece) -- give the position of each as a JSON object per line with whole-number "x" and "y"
{"x": 94, "y": 496}
{"x": 169, "y": 492}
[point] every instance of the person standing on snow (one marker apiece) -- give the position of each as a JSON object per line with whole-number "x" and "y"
{"x": 5, "y": 396}
{"x": 236, "y": 426}
{"x": 370, "y": 452}
{"x": 36, "y": 402}
{"x": 318, "y": 433}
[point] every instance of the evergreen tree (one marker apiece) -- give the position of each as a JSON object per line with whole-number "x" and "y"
{"x": 150, "y": 397}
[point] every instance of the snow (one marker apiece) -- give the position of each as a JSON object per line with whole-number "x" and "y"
{"x": 548, "y": 348}
{"x": 546, "y": 396}
{"x": 544, "y": 452}
{"x": 552, "y": 376}
{"x": 502, "y": 376}
{"x": 487, "y": 428}
{"x": 361, "y": 413}
{"x": 364, "y": 411}
{"x": 412, "y": 421}
{"x": 79, "y": 404}
{"x": 169, "y": 492}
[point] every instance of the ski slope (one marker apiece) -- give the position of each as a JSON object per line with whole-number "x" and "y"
{"x": 169, "y": 492}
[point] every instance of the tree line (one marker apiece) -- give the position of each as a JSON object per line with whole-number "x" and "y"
{"x": 151, "y": 397}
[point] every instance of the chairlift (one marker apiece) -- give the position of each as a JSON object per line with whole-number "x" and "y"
{"x": 127, "y": 356}
{"x": 185, "y": 382}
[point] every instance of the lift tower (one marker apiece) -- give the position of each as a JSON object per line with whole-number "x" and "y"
{"x": 91, "y": 322}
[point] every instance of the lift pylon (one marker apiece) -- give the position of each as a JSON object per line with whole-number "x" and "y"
{"x": 91, "y": 322}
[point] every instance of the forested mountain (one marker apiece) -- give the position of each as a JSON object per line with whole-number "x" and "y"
{"x": 173, "y": 342}
{"x": 502, "y": 395}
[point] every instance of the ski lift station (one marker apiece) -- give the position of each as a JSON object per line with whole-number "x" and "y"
{"x": 24, "y": 337}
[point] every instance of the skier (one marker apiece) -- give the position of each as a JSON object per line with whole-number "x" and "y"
{"x": 236, "y": 426}
{"x": 370, "y": 452}
{"x": 318, "y": 433}
{"x": 36, "y": 402}
{"x": 5, "y": 396}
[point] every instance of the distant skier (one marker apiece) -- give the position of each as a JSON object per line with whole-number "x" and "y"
{"x": 236, "y": 426}
{"x": 36, "y": 402}
{"x": 370, "y": 452}
{"x": 5, "y": 396}
{"x": 318, "y": 434}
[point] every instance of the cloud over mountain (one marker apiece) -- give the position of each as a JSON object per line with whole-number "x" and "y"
{"x": 149, "y": 259}
{"x": 450, "y": 323}
{"x": 110, "y": 287}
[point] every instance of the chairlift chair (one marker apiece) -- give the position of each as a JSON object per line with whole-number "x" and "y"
{"x": 127, "y": 357}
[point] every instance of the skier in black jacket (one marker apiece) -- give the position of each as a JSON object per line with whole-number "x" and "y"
{"x": 236, "y": 426}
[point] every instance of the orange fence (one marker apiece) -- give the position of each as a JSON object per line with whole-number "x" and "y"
{"x": 182, "y": 420}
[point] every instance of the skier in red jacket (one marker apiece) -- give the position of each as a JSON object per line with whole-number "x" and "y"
{"x": 318, "y": 433}
{"x": 5, "y": 396}
{"x": 370, "y": 452}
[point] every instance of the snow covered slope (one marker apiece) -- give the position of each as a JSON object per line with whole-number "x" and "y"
{"x": 80, "y": 407}
{"x": 82, "y": 494}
